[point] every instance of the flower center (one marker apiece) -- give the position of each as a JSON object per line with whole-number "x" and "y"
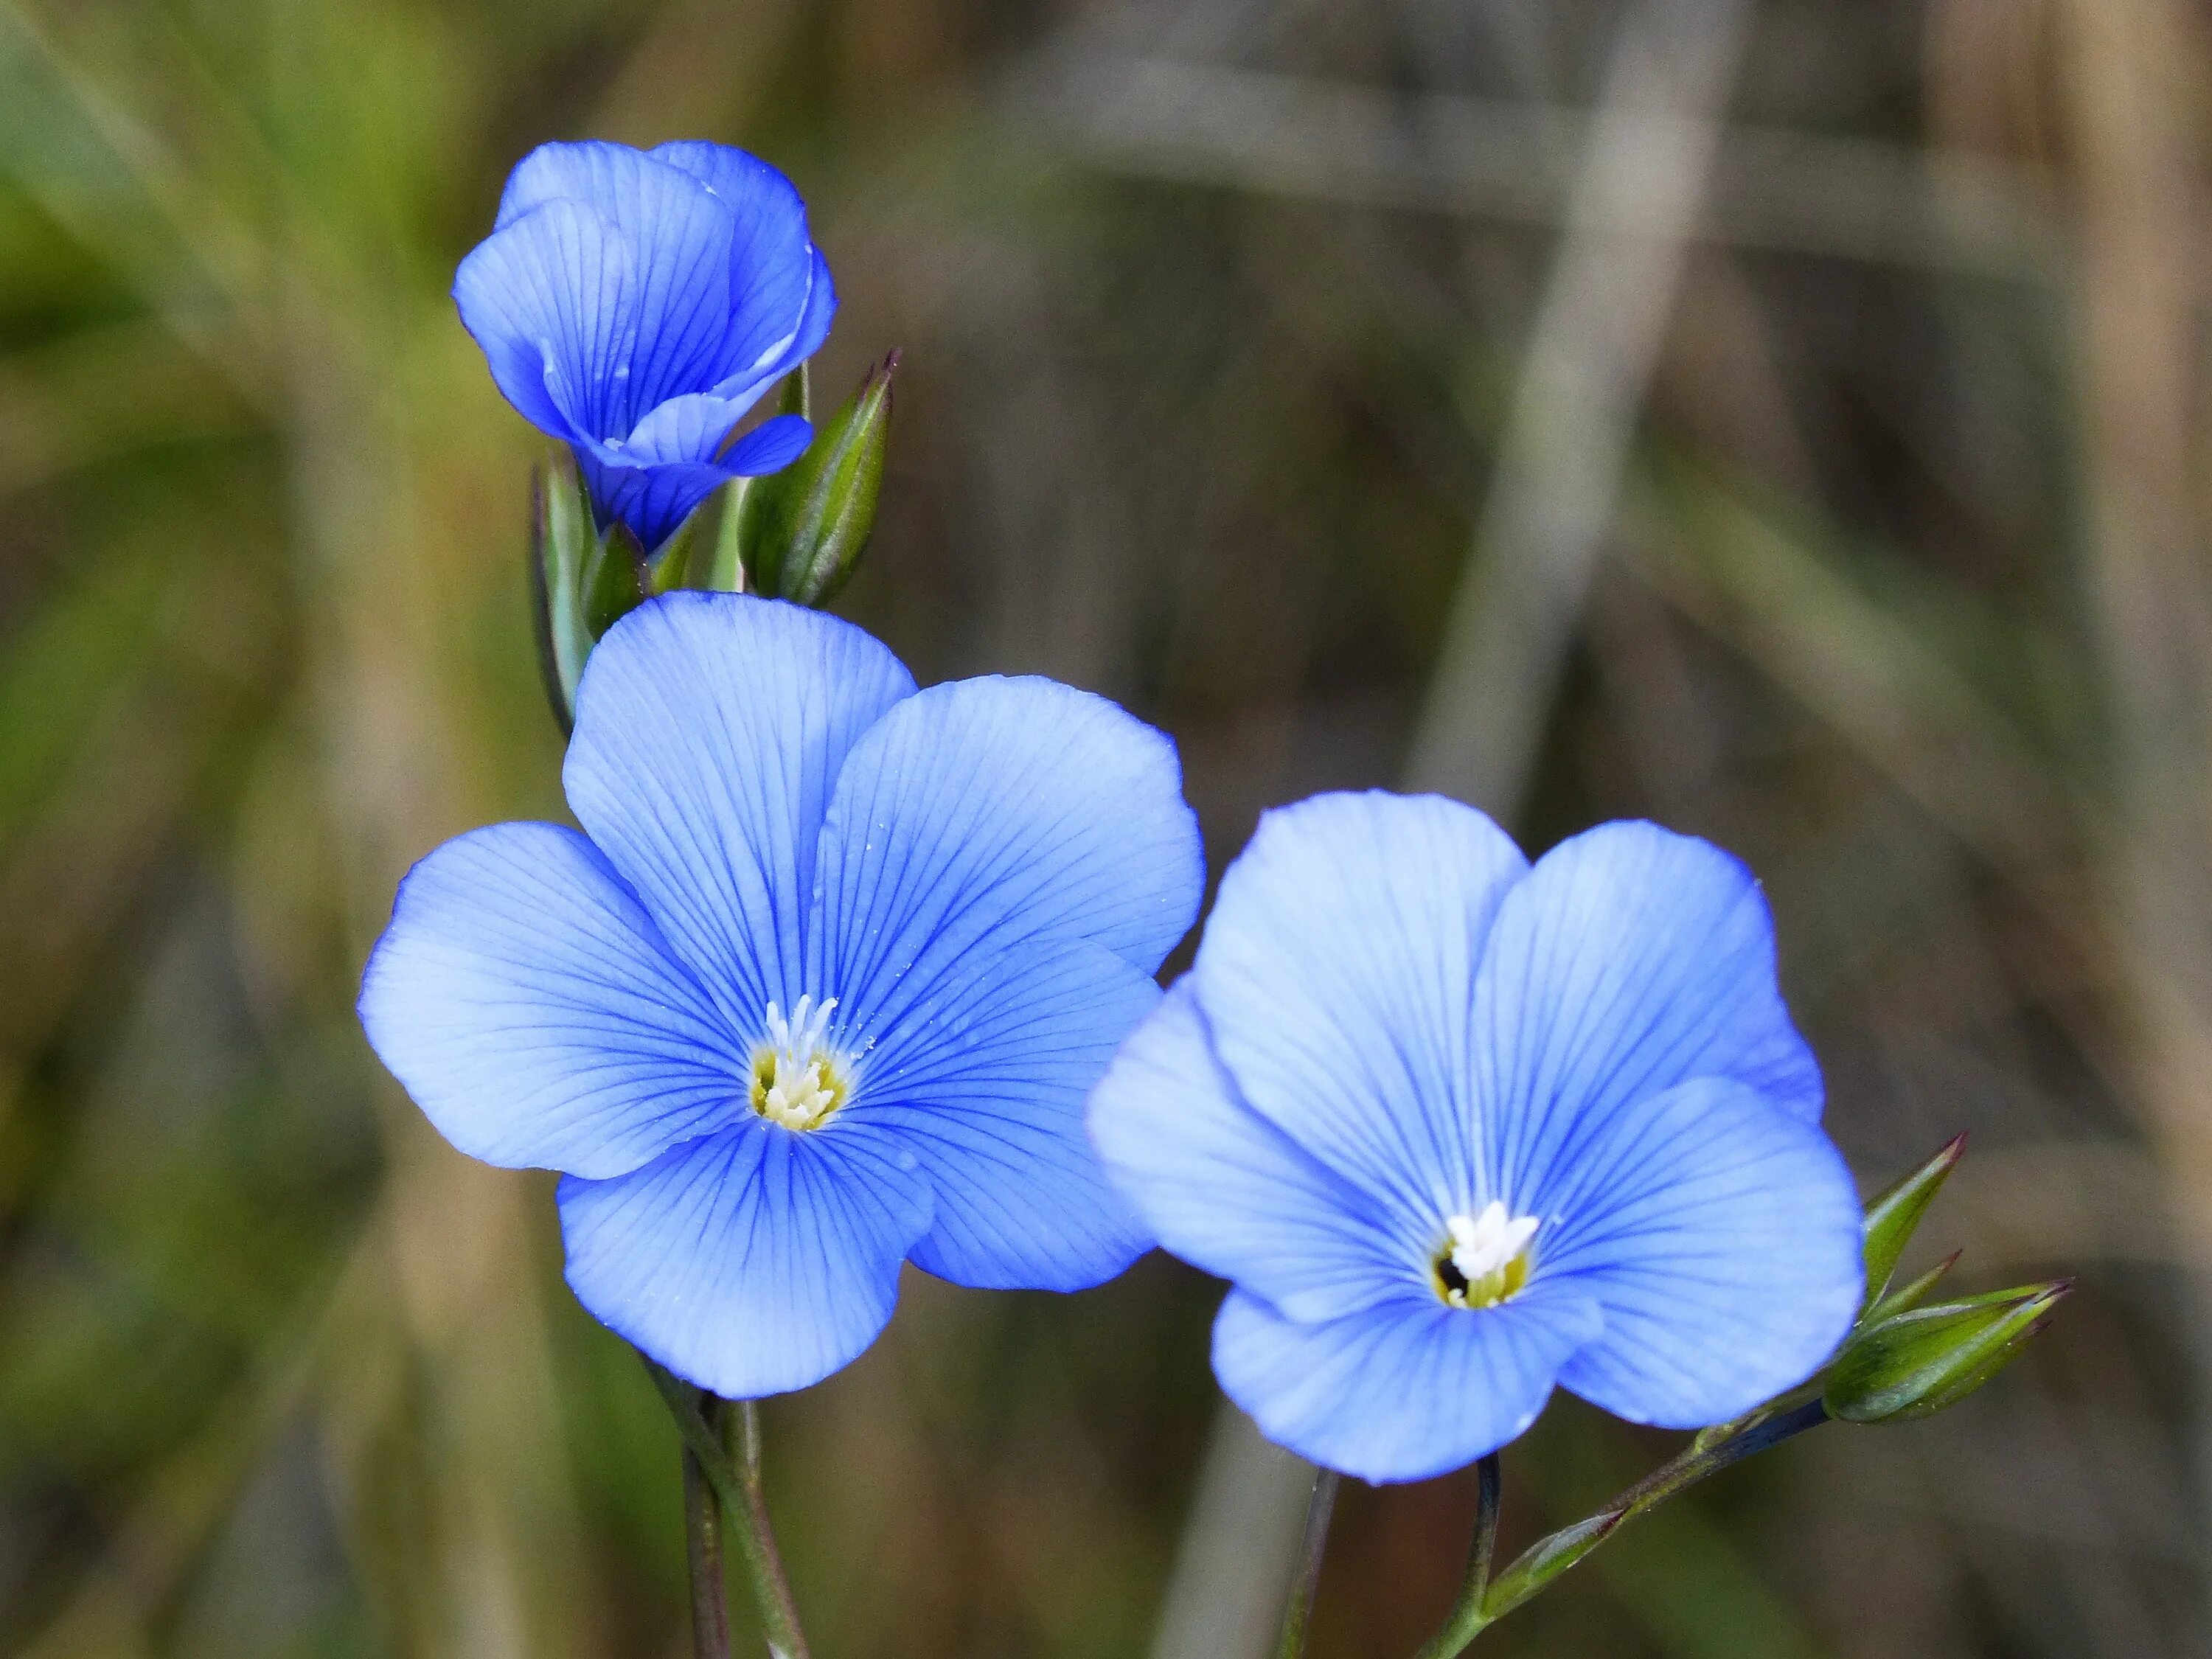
{"x": 1486, "y": 1258}
{"x": 797, "y": 1079}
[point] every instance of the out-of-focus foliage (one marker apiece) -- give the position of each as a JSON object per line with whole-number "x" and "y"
{"x": 1808, "y": 451}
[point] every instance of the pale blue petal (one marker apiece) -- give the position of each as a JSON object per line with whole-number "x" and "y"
{"x": 1401, "y": 1391}
{"x": 752, "y": 1262}
{"x": 530, "y": 1007}
{"x": 709, "y": 729}
{"x": 552, "y": 299}
{"x": 690, "y": 427}
{"x": 772, "y": 445}
{"x": 983, "y": 1076}
{"x": 1631, "y": 959}
{"x": 1336, "y": 975}
{"x": 1228, "y": 1192}
{"x": 1722, "y": 1236}
{"x": 998, "y": 810}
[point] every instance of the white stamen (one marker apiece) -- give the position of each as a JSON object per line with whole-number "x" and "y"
{"x": 1488, "y": 1252}
{"x": 797, "y": 1080}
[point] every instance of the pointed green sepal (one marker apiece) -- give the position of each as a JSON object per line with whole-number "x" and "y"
{"x": 562, "y": 544}
{"x": 720, "y": 566}
{"x": 615, "y": 581}
{"x": 803, "y": 530}
{"x": 1909, "y": 1295}
{"x": 1917, "y": 1363}
{"x": 1894, "y": 1214}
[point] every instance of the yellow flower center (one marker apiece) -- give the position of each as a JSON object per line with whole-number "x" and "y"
{"x": 798, "y": 1080}
{"x": 1484, "y": 1259}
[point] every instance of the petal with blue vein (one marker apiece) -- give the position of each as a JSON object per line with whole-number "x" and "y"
{"x": 710, "y": 728}
{"x": 999, "y": 810}
{"x": 1401, "y": 1391}
{"x": 552, "y": 299}
{"x": 772, "y": 445}
{"x": 772, "y": 262}
{"x": 531, "y": 1009}
{"x": 751, "y": 1262}
{"x": 1336, "y": 974}
{"x": 1631, "y": 959}
{"x": 1228, "y": 1192}
{"x": 982, "y": 1075}
{"x": 1721, "y": 1235}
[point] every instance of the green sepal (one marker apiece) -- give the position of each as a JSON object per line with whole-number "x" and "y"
{"x": 562, "y": 543}
{"x": 1915, "y": 1364}
{"x": 803, "y": 530}
{"x": 719, "y": 565}
{"x": 1896, "y": 1212}
{"x": 615, "y": 581}
{"x": 1909, "y": 1295}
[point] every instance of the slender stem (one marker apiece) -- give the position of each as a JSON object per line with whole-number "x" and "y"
{"x": 702, "y": 1537}
{"x": 1466, "y": 1618}
{"x": 740, "y": 1429}
{"x": 1546, "y": 1560}
{"x": 1298, "y": 1612}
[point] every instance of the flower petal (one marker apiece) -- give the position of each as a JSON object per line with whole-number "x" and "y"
{"x": 1336, "y": 974}
{"x": 653, "y": 500}
{"x": 1631, "y": 959}
{"x": 709, "y": 728}
{"x": 982, "y": 1076}
{"x": 772, "y": 262}
{"x": 552, "y": 299}
{"x": 680, "y": 235}
{"x": 1000, "y": 810}
{"x": 1403, "y": 1390}
{"x": 530, "y": 1007}
{"x": 772, "y": 445}
{"x": 1228, "y": 1192}
{"x": 1722, "y": 1236}
{"x": 751, "y": 1262}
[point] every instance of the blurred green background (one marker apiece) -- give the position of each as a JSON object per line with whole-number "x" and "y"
{"x": 1787, "y": 420}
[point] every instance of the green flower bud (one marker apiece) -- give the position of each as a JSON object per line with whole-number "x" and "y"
{"x": 803, "y": 530}
{"x": 581, "y": 583}
{"x": 1917, "y": 1363}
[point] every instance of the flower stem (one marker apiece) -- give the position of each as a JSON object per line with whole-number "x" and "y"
{"x": 722, "y": 1440}
{"x": 778, "y": 1614}
{"x": 1466, "y": 1618}
{"x": 702, "y": 1537}
{"x": 1298, "y": 1612}
{"x": 1546, "y": 1560}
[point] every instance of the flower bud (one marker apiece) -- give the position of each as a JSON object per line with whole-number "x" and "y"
{"x": 803, "y": 529}
{"x": 1917, "y": 1363}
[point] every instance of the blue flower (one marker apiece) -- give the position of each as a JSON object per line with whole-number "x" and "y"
{"x": 820, "y": 990}
{"x": 1459, "y": 1130}
{"x": 636, "y": 304}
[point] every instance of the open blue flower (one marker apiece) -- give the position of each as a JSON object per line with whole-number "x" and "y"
{"x": 636, "y": 304}
{"x": 1459, "y": 1130}
{"x": 821, "y": 988}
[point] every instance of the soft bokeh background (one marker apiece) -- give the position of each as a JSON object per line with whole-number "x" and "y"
{"x": 1788, "y": 420}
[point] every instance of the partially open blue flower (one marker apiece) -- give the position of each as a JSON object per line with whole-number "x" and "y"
{"x": 636, "y": 304}
{"x": 1460, "y": 1130}
{"x": 821, "y": 988}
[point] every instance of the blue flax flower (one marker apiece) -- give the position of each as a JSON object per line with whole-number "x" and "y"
{"x": 636, "y": 304}
{"x": 1460, "y": 1129}
{"x": 821, "y": 987}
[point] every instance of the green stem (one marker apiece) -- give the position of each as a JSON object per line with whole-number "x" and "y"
{"x": 723, "y": 1437}
{"x": 1549, "y": 1558}
{"x": 1298, "y": 1611}
{"x": 702, "y": 1537}
{"x": 1466, "y": 1618}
